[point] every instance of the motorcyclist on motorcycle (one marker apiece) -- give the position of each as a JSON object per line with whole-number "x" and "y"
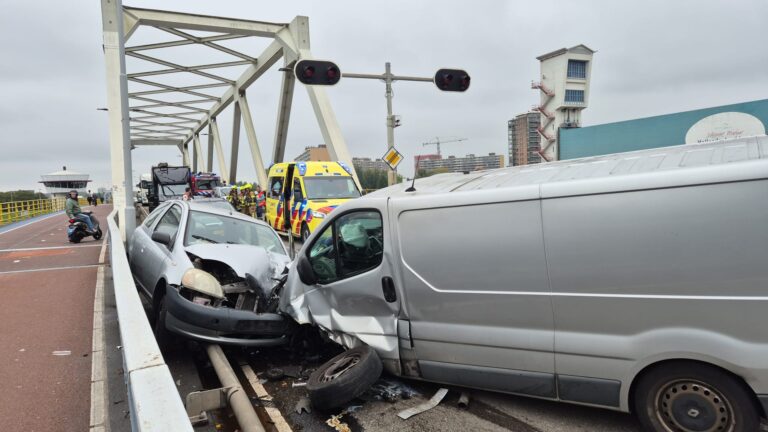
{"x": 72, "y": 208}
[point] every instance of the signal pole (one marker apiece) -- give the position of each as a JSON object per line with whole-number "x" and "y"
{"x": 453, "y": 80}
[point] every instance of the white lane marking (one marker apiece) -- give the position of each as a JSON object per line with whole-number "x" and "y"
{"x": 49, "y": 247}
{"x": 274, "y": 414}
{"x": 34, "y": 221}
{"x": 49, "y": 269}
{"x": 16, "y": 261}
{"x": 99, "y": 414}
{"x": 62, "y": 353}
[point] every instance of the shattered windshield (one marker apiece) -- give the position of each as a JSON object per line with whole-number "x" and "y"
{"x": 212, "y": 228}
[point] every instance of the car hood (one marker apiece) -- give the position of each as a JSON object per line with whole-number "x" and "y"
{"x": 254, "y": 260}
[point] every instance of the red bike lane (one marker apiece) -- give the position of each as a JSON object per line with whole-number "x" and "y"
{"x": 46, "y": 324}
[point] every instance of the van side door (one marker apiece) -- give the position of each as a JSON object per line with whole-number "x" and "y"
{"x": 273, "y": 193}
{"x": 476, "y": 293}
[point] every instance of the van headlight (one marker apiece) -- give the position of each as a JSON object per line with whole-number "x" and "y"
{"x": 202, "y": 282}
{"x": 318, "y": 215}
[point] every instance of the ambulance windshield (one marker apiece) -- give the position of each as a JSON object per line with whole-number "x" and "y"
{"x": 330, "y": 187}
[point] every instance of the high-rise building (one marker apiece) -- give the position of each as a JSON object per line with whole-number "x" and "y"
{"x": 564, "y": 88}
{"x": 370, "y": 164}
{"x": 469, "y": 162}
{"x": 524, "y": 139}
{"x": 316, "y": 153}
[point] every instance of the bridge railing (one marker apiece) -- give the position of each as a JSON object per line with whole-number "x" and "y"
{"x": 155, "y": 403}
{"x": 14, "y": 211}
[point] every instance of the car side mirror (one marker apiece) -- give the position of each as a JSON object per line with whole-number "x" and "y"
{"x": 305, "y": 270}
{"x": 162, "y": 238}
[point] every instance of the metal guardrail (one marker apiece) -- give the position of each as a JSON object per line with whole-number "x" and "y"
{"x": 154, "y": 401}
{"x": 14, "y": 211}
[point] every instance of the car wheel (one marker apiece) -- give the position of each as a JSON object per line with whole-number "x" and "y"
{"x": 683, "y": 397}
{"x": 343, "y": 377}
{"x": 304, "y": 232}
{"x": 162, "y": 335}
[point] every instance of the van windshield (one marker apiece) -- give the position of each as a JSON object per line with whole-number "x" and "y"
{"x": 330, "y": 187}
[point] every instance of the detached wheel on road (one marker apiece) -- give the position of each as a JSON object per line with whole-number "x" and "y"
{"x": 344, "y": 377}
{"x": 688, "y": 397}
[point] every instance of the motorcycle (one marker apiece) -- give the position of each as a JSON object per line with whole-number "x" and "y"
{"x": 78, "y": 229}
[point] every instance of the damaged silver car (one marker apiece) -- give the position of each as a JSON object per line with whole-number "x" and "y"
{"x": 212, "y": 275}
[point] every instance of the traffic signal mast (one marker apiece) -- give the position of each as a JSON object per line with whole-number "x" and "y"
{"x": 322, "y": 72}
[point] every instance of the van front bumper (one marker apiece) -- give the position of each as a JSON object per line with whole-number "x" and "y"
{"x": 223, "y": 325}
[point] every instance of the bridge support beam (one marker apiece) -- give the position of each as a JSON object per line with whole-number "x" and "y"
{"x": 119, "y": 120}
{"x": 219, "y": 150}
{"x": 235, "y": 144}
{"x": 198, "y": 159}
{"x": 250, "y": 132}
{"x": 209, "y": 162}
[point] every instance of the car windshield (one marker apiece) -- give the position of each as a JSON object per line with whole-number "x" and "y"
{"x": 330, "y": 187}
{"x": 212, "y": 228}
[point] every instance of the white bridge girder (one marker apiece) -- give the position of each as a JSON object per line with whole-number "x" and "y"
{"x": 151, "y": 120}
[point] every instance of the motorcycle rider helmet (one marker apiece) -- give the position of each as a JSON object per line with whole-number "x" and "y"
{"x": 73, "y": 191}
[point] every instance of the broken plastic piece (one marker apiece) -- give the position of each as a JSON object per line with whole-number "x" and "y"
{"x": 426, "y": 406}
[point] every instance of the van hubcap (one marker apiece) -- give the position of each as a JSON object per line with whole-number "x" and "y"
{"x": 692, "y": 406}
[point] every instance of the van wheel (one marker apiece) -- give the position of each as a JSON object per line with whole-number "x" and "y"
{"x": 687, "y": 397}
{"x": 304, "y": 232}
{"x": 343, "y": 377}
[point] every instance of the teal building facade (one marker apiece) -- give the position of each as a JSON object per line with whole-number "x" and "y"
{"x": 708, "y": 124}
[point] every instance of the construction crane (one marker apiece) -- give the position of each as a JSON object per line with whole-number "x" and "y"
{"x": 439, "y": 141}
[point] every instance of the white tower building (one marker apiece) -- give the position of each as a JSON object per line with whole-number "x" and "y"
{"x": 564, "y": 88}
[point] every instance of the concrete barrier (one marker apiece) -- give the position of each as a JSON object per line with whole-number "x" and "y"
{"x": 155, "y": 404}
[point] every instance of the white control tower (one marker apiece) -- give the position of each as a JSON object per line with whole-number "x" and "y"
{"x": 564, "y": 88}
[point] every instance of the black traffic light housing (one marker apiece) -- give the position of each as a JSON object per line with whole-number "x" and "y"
{"x": 455, "y": 80}
{"x": 317, "y": 72}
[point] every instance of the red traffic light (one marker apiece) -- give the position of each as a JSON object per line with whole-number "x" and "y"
{"x": 456, "y": 80}
{"x": 317, "y": 72}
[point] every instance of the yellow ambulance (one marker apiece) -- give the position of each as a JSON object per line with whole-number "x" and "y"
{"x": 314, "y": 190}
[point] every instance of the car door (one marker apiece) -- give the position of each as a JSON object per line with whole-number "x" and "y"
{"x": 355, "y": 292}
{"x": 156, "y": 254}
{"x": 140, "y": 241}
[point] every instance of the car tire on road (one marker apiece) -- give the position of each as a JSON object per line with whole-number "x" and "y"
{"x": 692, "y": 396}
{"x": 344, "y": 377}
{"x": 164, "y": 337}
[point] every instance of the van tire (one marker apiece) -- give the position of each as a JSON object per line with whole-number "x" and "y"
{"x": 694, "y": 396}
{"x": 344, "y": 377}
{"x": 304, "y": 232}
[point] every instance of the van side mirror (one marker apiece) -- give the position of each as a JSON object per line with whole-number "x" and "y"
{"x": 306, "y": 272}
{"x": 162, "y": 238}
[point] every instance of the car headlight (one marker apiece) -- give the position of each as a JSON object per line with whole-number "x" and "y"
{"x": 202, "y": 282}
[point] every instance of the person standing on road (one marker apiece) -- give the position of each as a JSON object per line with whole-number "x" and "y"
{"x": 261, "y": 202}
{"x": 233, "y": 199}
{"x": 73, "y": 210}
{"x": 89, "y": 197}
{"x": 187, "y": 194}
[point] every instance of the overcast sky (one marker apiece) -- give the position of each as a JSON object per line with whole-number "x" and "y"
{"x": 653, "y": 57}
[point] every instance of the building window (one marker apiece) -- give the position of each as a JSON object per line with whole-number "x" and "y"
{"x": 577, "y": 69}
{"x": 574, "y": 97}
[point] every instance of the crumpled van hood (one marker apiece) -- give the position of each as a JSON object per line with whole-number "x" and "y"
{"x": 254, "y": 260}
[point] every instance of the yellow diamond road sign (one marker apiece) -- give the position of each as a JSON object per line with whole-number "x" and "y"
{"x": 392, "y": 157}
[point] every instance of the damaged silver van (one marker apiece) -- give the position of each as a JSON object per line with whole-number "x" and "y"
{"x": 635, "y": 281}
